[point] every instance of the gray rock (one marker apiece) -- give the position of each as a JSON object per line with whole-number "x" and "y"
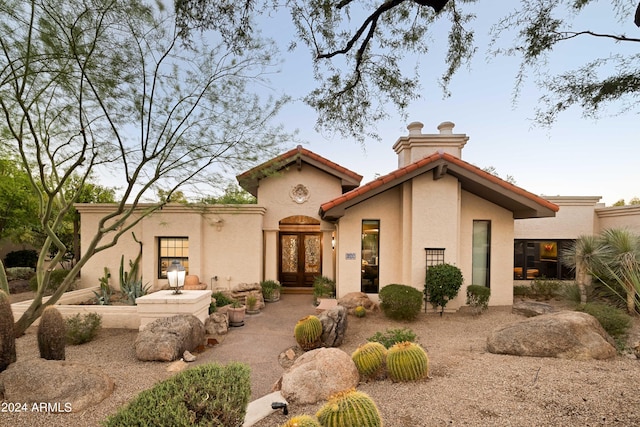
{"x": 168, "y": 338}
{"x": 532, "y": 308}
{"x": 318, "y": 374}
{"x": 66, "y": 386}
{"x": 334, "y": 326}
{"x": 565, "y": 335}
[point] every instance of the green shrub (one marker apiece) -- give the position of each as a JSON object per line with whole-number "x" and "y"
{"x": 442, "y": 284}
{"x": 19, "y": 273}
{"x": 521, "y": 291}
{"x": 21, "y": 258}
{"x": 206, "y": 395}
{"x": 400, "y": 302}
{"x": 545, "y": 289}
{"x": 83, "y": 328}
{"x": 270, "y": 289}
{"x": 393, "y": 336}
{"x": 323, "y": 287}
{"x": 478, "y": 298}
{"x": 55, "y": 280}
{"x": 221, "y": 299}
{"x": 613, "y": 320}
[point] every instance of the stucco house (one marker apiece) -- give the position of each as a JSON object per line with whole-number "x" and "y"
{"x": 313, "y": 217}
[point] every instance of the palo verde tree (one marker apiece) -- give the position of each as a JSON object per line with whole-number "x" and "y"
{"x": 106, "y": 88}
{"x": 366, "y": 54}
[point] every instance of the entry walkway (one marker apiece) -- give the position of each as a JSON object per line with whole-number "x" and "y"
{"x": 262, "y": 338}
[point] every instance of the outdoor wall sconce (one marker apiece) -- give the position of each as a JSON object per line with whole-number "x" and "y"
{"x": 218, "y": 223}
{"x": 176, "y": 274}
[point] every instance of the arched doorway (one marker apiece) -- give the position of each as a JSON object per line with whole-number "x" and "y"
{"x": 300, "y": 251}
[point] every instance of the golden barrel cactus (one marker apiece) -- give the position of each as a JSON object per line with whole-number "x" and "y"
{"x": 407, "y": 361}
{"x": 302, "y": 421}
{"x": 370, "y": 359}
{"x": 349, "y": 408}
{"x": 308, "y": 332}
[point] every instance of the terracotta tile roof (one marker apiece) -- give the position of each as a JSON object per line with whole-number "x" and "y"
{"x": 427, "y": 163}
{"x": 281, "y": 161}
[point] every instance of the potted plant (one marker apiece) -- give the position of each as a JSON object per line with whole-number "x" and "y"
{"x": 236, "y": 313}
{"x": 252, "y": 304}
{"x": 270, "y": 290}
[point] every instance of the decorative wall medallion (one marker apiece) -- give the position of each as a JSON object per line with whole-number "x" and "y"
{"x": 299, "y": 193}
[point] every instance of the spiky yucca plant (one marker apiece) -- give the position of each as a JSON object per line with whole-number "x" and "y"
{"x": 52, "y": 334}
{"x": 308, "y": 332}
{"x": 302, "y": 421}
{"x": 7, "y": 334}
{"x": 349, "y": 408}
{"x": 407, "y": 361}
{"x": 370, "y": 359}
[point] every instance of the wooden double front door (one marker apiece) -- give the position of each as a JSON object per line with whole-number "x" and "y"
{"x": 300, "y": 258}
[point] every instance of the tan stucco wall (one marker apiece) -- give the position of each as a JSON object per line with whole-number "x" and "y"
{"x": 575, "y": 217}
{"x": 385, "y": 208}
{"x": 274, "y": 194}
{"x": 501, "y": 262}
{"x": 224, "y": 241}
{"x": 619, "y": 217}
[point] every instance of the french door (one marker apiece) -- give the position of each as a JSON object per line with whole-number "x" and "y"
{"x": 300, "y": 258}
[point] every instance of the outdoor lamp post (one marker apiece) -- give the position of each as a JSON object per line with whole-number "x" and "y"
{"x": 175, "y": 274}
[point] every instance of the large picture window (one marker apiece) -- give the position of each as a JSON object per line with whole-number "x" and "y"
{"x": 170, "y": 249}
{"x": 538, "y": 259}
{"x": 370, "y": 256}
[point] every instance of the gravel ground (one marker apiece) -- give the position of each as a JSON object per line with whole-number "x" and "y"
{"x": 467, "y": 385}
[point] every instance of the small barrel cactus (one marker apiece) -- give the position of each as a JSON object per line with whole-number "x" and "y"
{"x": 52, "y": 334}
{"x": 308, "y": 332}
{"x": 302, "y": 421}
{"x": 370, "y": 359}
{"x": 360, "y": 311}
{"x": 349, "y": 408}
{"x": 7, "y": 335}
{"x": 407, "y": 361}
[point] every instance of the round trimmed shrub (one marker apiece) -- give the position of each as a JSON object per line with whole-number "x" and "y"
{"x": 349, "y": 408}
{"x": 400, "y": 302}
{"x": 442, "y": 284}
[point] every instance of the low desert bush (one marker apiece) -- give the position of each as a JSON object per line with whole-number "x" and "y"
{"x": 83, "y": 328}
{"x": 478, "y": 298}
{"x": 206, "y": 395}
{"x": 55, "y": 280}
{"x": 522, "y": 291}
{"x": 221, "y": 299}
{"x": 19, "y": 273}
{"x": 21, "y": 258}
{"x": 400, "y": 302}
{"x": 613, "y": 320}
{"x": 545, "y": 289}
{"x": 323, "y": 287}
{"x": 393, "y": 336}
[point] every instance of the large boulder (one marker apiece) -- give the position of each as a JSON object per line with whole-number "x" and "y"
{"x": 334, "y": 326}
{"x": 355, "y": 299}
{"x": 318, "y": 374}
{"x": 532, "y": 308}
{"x": 62, "y": 385}
{"x": 166, "y": 339}
{"x": 565, "y": 334}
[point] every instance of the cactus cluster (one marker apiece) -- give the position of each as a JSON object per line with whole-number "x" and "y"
{"x": 302, "y": 421}
{"x": 407, "y": 361}
{"x": 7, "y": 334}
{"x": 370, "y": 359}
{"x": 349, "y": 408}
{"x": 52, "y": 334}
{"x": 308, "y": 332}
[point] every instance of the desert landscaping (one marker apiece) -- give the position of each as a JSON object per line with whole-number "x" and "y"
{"x": 466, "y": 385}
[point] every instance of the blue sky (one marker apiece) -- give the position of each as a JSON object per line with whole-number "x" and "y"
{"x": 575, "y": 157}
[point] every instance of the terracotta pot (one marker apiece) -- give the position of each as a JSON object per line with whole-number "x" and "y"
{"x": 191, "y": 280}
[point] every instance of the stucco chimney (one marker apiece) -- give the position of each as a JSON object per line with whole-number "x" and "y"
{"x": 418, "y": 145}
